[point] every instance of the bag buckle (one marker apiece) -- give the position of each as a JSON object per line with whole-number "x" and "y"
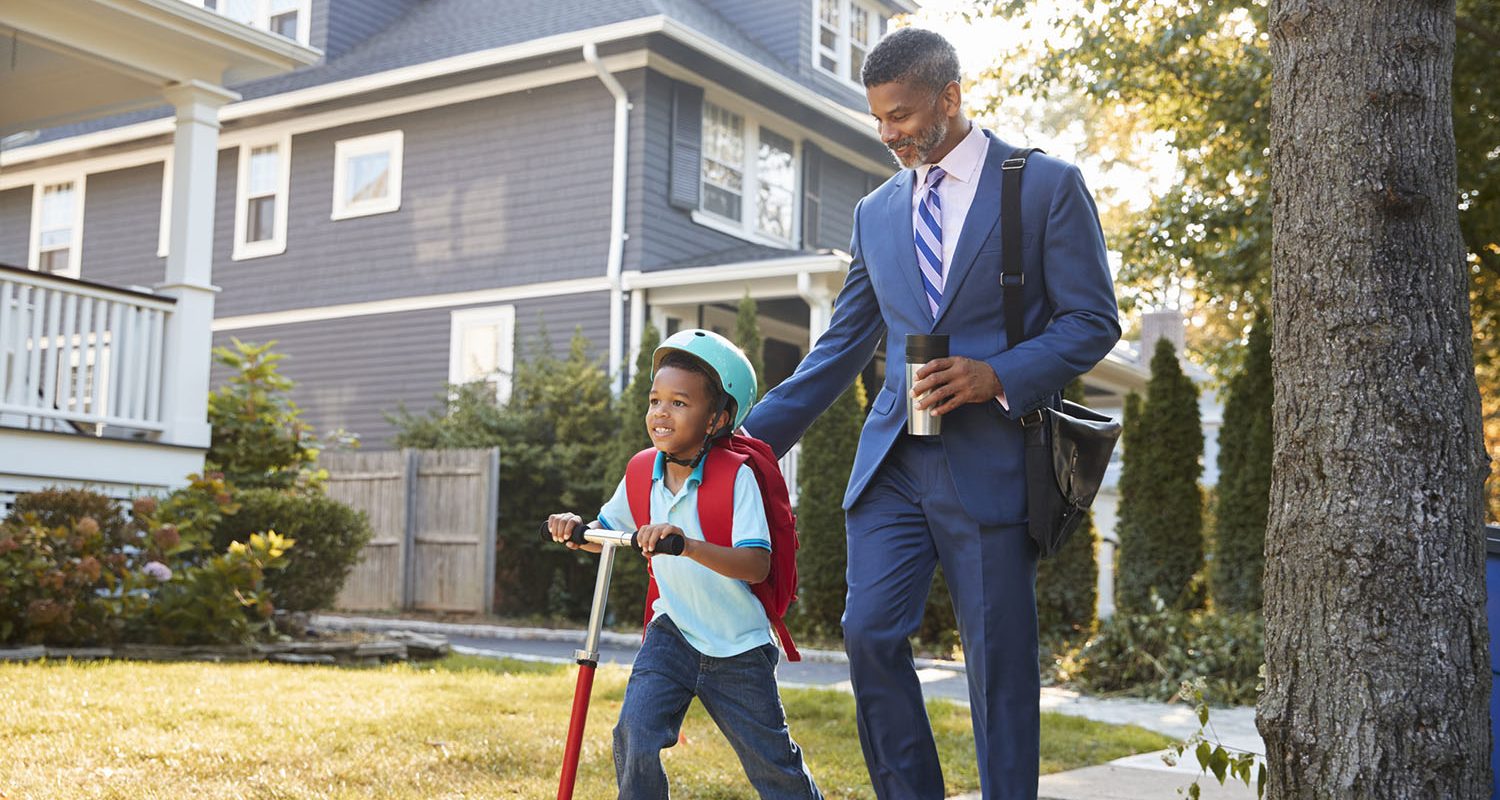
{"x": 1013, "y": 163}
{"x": 1032, "y": 420}
{"x": 1006, "y": 279}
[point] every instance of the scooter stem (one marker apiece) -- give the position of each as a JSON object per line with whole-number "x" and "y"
{"x": 588, "y": 661}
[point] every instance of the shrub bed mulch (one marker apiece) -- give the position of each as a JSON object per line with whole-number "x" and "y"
{"x": 343, "y": 650}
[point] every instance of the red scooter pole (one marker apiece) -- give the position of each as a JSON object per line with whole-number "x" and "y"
{"x": 588, "y": 657}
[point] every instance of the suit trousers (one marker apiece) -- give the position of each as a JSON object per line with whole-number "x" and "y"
{"x": 908, "y": 520}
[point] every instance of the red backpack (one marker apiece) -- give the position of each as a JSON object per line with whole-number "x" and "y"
{"x": 716, "y": 516}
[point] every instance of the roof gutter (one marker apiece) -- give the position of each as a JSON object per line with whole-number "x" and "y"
{"x": 616, "y": 257}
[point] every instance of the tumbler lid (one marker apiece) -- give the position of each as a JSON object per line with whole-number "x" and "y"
{"x": 924, "y": 347}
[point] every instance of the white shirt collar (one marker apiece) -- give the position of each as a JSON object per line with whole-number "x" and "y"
{"x": 963, "y": 161}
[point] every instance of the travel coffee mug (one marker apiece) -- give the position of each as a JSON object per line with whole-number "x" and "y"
{"x": 920, "y": 349}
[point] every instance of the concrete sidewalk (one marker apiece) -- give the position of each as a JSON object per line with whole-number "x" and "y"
{"x": 1130, "y": 778}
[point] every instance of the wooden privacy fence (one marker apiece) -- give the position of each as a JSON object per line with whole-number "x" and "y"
{"x": 433, "y": 515}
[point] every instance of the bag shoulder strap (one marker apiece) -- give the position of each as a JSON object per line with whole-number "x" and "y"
{"x": 1012, "y": 279}
{"x": 638, "y": 485}
{"x": 716, "y": 496}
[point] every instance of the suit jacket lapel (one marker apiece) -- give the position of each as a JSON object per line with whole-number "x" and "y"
{"x": 903, "y": 247}
{"x": 981, "y": 222}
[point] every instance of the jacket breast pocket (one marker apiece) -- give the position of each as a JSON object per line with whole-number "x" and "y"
{"x": 884, "y": 401}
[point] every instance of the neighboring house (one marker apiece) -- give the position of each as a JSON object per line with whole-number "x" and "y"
{"x": 452, "y": 175}
{"x": 99, "y": 384}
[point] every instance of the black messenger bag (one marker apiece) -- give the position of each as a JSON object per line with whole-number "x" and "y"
{"x": 1067, "y": 448}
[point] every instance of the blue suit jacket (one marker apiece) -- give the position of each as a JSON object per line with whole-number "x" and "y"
{"x": 1071, "y": 318}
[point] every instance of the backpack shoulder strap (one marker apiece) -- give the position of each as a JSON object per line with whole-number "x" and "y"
{"x": 1012, "y": 280}
{"x": 716, "y": 496}
{"x": 638, "y": 492}
{"x": 638, "y": 485}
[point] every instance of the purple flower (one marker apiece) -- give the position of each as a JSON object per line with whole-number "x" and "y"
{"x": 158, "y": 570}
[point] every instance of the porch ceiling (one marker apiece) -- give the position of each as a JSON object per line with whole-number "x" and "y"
{"x": 65, "y": 61}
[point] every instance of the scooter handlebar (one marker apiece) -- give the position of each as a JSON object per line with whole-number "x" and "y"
{"x": 583, "y": 534}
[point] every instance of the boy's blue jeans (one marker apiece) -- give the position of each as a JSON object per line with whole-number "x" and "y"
{"x": 738, "y": 692}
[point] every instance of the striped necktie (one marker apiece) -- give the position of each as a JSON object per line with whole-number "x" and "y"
{"x": 929, "y": 237}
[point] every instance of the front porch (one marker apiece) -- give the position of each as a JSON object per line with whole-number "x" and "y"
{"x": 100, "y": 385}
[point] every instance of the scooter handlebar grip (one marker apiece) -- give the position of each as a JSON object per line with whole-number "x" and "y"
{"x": 576, "y": 537}
{"x": 666, "y": 546}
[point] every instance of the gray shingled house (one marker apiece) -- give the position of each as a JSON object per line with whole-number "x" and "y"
{"x": 435, "y": 182}
{"x": 453, "y": 172}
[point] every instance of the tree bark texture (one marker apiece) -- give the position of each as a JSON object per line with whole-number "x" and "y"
{"x": 1377, "y": 654}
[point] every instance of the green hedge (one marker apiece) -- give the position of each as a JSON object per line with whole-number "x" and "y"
{"x": 1150, "y": 654}
{"x": 329, "y": 537}
{"x": 1161, "y": 504}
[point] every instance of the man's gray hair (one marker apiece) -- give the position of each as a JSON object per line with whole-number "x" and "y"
{"x": 914, "y": 56}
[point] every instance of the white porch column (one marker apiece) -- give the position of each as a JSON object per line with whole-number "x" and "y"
{"x": 819, "y": 306}
{"x": 637, "y": 329}
{"x": 187, "y": 340}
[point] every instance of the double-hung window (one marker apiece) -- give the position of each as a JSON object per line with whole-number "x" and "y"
{"x": 749, "y": 178}
{"x": 289, "y": 18}
{"x": 261, "y": 200}
{"x": 367, "y": 175}
{"x": 482, "y": 347}
{"x": 57, "y": 226}
{"x": 844, "y": 33}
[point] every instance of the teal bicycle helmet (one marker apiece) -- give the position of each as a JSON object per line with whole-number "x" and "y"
{"x": 725, "y": 361}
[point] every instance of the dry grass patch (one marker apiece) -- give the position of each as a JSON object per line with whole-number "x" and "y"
{"x": 462, "y": 728}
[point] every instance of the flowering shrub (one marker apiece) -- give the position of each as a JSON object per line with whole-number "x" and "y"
{"x": 76, "y": 570}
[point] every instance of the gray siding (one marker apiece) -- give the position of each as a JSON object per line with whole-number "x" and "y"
{"x": 351, "y": 372}
{"x": 15, "y": 226}
{"x": 488, "y": 199}
{"x": 341, "y": 25}
{"x": 121, "y": 226}
{"x": 777, "y": 25}
{"x": 843, "y": 186}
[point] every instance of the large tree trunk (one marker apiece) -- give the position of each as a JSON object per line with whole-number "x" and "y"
{"x": 1377, "y": 679}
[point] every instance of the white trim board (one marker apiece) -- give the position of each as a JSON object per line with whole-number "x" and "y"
{"x": 420, "y": 303}
{"x": 460, "y": 63}
{"x": 737, "y": 272}
{"x": 12, "y": 177}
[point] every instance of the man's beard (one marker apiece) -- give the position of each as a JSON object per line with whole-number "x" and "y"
{"x": 922, "y": 145}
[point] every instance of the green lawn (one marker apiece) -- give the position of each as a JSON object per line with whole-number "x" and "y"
{"x": 460, "y": 728}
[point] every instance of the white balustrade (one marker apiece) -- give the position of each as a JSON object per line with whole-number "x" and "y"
{"x": 789, "y": 470}
{"x": 80, "y": 353}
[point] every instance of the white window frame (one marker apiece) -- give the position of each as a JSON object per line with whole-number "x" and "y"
{"x": 460, "y": 321}
{"x": 75, "y": 244}
{"x": 392, "y": 142}
{"x": 276, "y": 245}
{"x": 745, "y": 227}
{"x": 262, "y": 18}
{"x": 841, "y": 46}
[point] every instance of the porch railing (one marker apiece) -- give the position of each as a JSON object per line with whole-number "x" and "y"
{"x": 789, "y": 470}
{"x": 79, "y": 354}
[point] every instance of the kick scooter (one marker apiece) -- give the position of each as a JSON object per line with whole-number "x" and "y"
{"x": 588, "y": 657}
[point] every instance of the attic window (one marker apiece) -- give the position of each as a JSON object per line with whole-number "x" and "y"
{"x": 844, "y": 33}
{"x": 288, "y": 18}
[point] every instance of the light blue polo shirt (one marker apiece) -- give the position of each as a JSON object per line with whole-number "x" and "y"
{"x": 718, "y": 616}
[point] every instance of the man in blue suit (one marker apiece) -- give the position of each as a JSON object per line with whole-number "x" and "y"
{"x": 926, "y": 259}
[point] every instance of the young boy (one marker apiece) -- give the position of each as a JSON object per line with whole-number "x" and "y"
{"x": 709, "y": 637}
